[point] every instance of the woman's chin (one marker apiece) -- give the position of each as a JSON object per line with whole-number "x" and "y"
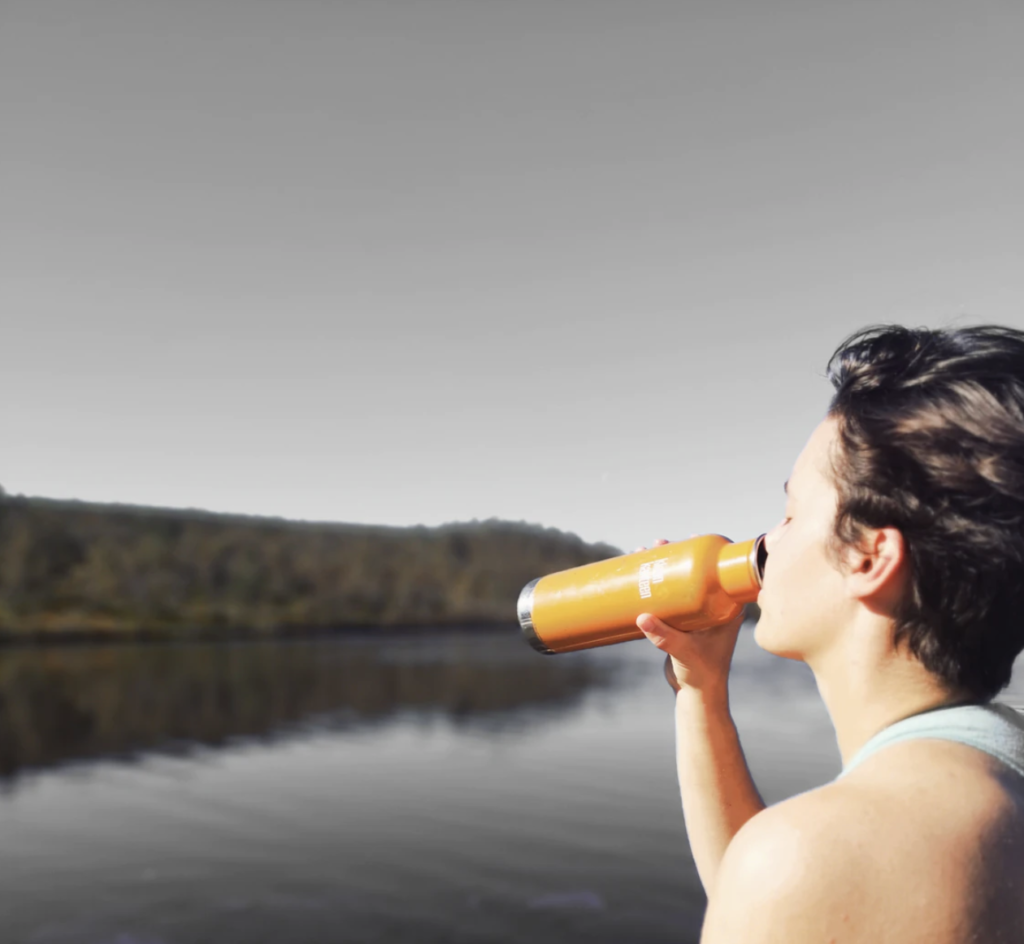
{"x": 768, "y": 639}
{"x": 773, "y": 643}
{"x": 761, "y": 631}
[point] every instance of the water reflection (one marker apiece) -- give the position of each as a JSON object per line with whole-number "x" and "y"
{"x": 72, "y": 704}
{"x": 448, "y": 787}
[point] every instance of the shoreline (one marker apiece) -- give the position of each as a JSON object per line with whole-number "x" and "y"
{"x": 69, "y": 638}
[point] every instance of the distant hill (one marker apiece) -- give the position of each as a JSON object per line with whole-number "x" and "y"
{"x": 73, "y": 568}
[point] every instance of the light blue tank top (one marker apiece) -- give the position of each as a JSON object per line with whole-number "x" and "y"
{"x": 994, "y": 728}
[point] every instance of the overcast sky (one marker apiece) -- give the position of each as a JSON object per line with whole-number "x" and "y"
{"x": 574, "y": 263}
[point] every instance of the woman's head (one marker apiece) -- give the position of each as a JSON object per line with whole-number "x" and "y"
{"x": 927, "y": 432}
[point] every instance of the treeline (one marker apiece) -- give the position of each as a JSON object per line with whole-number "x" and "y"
{"x": 73, "y": 568}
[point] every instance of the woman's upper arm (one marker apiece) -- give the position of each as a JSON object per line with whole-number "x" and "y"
{"x": 780, "y": 882}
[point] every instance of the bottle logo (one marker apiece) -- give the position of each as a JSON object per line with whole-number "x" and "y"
{"x": 651, "y": 572}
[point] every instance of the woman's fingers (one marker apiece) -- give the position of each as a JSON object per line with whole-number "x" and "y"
{"x": 658, "y": 543}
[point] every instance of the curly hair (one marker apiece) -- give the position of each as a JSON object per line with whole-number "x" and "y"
{"x": 930, "y": 441}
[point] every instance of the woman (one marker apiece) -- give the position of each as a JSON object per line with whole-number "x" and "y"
{"x": 897, "y": 575}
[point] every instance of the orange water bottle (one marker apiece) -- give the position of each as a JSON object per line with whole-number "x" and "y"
{"x": 691, "y": 585}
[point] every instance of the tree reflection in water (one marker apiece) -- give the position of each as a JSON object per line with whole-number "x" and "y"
{"x": 59, "y": 705}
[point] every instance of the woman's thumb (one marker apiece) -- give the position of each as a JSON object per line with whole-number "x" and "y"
{"x": 650, "y": 626}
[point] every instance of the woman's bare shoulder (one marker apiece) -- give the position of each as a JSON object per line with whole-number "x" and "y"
{"x": 932, "y": 818}
{"x": 914, "y": 785}
{"x": 940, "y": 827}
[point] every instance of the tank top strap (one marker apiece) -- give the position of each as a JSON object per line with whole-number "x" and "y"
{"x": 994, "y": 728}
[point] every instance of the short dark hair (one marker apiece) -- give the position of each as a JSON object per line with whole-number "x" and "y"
{"x": 930, "y": 441}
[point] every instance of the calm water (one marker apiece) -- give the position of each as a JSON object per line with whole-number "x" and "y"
{"x": 447, "y": 786}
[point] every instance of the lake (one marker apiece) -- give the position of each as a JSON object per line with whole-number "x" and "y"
{"x": 438, "y": 786}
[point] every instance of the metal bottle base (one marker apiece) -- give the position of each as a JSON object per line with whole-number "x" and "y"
{"x": 525, "y": 610}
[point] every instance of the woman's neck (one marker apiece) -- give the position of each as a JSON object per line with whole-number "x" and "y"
{"x": 867, "y": 687}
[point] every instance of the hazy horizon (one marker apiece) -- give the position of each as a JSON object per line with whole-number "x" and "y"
{"x": 579, "y": 265}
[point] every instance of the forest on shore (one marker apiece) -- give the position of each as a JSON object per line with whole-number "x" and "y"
{"x": 76, "y": 569}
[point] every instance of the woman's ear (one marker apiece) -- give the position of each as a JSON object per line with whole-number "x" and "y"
{"x": 876, "y": 568}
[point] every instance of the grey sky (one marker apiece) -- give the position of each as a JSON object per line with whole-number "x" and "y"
{"x": 578, "y": 263}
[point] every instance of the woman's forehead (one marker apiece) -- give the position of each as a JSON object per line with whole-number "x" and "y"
{"x": 812, "y": 464}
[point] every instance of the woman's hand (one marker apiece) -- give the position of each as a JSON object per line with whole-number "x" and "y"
{"x": 701, "y": 658}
